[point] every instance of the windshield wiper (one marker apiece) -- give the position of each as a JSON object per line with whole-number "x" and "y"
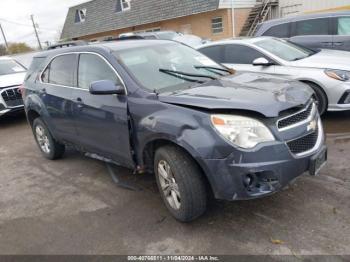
{"x": 180, "y": 74}
{"x": 212, "y": 68}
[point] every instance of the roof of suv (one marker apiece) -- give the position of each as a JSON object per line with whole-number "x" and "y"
{"x": 114, "y": 46}
{"x": 304, "y": 17}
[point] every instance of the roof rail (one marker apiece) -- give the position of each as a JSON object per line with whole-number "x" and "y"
{"x": 67, "y": 44}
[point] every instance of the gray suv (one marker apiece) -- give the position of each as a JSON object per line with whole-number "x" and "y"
{"x": 325, "y": 31}
{"x": 162, "y": 107}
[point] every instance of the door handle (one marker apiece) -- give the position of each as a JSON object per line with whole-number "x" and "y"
{"x": 79, "y": 102}
{"x": 326, "y": 43}
{"x": 338, "y": 43}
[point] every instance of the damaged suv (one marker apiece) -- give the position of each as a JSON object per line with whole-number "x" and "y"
{"x": 160, "y": 106}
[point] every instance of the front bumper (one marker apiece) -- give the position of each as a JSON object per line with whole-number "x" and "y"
{"x": 10, "y": 101}
{"x": 247, "y": 175}
{"x": 336, "y": 95}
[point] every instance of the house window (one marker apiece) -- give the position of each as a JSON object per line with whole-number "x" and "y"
{"x": 217, "y": 25}
{"x": 80, "y": 15}
{"x": 123, "y": 5}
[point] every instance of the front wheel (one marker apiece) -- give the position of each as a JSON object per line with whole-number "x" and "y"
{"x": 181, "y": 183}
{"x": 48, "y": 146}
{"x": 320, "y": 98}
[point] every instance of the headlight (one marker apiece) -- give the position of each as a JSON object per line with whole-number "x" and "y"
{"x": 338, "y": 74}
{"x": 241, "y": 131}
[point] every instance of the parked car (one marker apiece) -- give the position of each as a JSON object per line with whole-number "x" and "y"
{"x": 323, "y": 30}
{"x": 11, "y": 78}
{"x": 188, "y": 39}
{"x": 162, "y": 107}
{"x": 327, "y": 72}
{"x": 25, "y": 59}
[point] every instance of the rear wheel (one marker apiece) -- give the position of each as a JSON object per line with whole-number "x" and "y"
{"x": 320, "y": 97}
{"x": 180, "y": 183}
{"x": 48, "y": 146}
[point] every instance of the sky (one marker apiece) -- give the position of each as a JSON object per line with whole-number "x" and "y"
{"x": 49, "y": 15}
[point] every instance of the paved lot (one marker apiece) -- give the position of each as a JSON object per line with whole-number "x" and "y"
{"x": 71, "y": 206}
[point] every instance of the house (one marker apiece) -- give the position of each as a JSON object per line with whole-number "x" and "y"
{"x": 102, "y": 19}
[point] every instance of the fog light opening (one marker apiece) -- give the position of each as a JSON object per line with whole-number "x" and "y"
{"x": 248, "y": 180}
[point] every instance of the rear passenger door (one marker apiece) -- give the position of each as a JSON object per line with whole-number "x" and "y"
{"x": 55, "y": 90}
{"x": 101, "y": 120}
{"x": 313, "y": 33}
{"x": 341, "y": 29}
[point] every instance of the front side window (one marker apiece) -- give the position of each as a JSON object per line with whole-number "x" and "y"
{"x": 217, "y": 25}
{"x": 280, "y": 31}
{"x": 239, "y": 54}
{"x": 61, "y": 70}
{"x": 150, "y": 66}
{"x": 343, "y": 26}
{"x": 283, "y": 49}
{"x": 9, "y": 66}
{"x": 214, "y": 52}
{"x": 93, "y": 68}
{"x": 312, "y": 27}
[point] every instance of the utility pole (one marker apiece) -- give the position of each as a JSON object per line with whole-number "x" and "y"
{"x": 3, "y": 35}
{"x": 36, "y": 32}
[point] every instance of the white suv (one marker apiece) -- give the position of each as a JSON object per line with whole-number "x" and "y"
{"x": 11, "y": 78}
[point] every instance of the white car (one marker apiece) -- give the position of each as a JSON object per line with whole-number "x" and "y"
{"x": 11, "y": 78}
{"x": 327, "y": 72}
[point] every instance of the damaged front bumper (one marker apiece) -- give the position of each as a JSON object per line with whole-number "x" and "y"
{"x": 248, "y": 175}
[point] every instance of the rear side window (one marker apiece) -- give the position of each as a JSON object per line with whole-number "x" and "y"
{"x": 214, "y": 52}
{"x": 312, "y": 27}
{"x": 94, "y": 68}
{"x": 239, "y": 54}
{"x": 61, "y": 71}
{"x": 343, "y": 26}
{"x": 280, "y": 31}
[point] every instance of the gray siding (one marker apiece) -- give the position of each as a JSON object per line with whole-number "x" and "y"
{"x": 101, "y": 15}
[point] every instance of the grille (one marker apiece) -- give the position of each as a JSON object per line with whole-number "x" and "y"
{"x": 304, "y": 143}
{"x": 295, "y": 118}
{"x": 12, "y": 97}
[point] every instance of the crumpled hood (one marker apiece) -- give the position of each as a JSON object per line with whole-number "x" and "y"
{"x": 11, "y": 80}
{"x": 328, "y": 59}
{"x": 260, "y": 93}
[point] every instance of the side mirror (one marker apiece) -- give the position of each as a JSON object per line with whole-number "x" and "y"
{"x": 261, "y": 61}
{"x": 106, "y": 87}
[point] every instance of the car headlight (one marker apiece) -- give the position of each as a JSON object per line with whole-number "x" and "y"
{"x": 340, "y": 75}
{"x": 244, "y": 132}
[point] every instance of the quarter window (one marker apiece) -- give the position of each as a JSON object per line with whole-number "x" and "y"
{"x": 343, "y": 26}
{"x": 312, "y": 27}
{"x": 280, "y": 31}
{"x": 61, "y": 70}
{"x": 217, "y": 25}
{"x": 93, "y": 68}
{"x": 239, "y": 54}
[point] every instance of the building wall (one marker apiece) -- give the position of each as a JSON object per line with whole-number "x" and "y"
{"x": 199, "y": 24}
{"x": 294, "y": 7}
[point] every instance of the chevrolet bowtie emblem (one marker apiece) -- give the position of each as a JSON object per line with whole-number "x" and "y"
{"x": 312, "y": 126}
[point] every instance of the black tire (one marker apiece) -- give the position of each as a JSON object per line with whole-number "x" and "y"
{"x": 189, "y": 183}
{"x": 320, "y": 97}
{"x": 55, "y": 149}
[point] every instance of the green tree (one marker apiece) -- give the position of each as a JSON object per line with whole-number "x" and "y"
{"x": 16, "y": 48}
{"x": 3, "y": 50}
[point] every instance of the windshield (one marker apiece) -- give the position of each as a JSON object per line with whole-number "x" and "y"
{"x": 169, "y": 67}
{"x": 8, "y": 66}
{"x": 284, "y": 49}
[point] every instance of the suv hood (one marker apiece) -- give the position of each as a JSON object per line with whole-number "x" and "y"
{"x": 260, "y": 93}
{"x": 327, "y": 59}
{"x": 11, "y": 80}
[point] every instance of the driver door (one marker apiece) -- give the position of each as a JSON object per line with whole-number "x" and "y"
{"x": 101, "y": 120}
